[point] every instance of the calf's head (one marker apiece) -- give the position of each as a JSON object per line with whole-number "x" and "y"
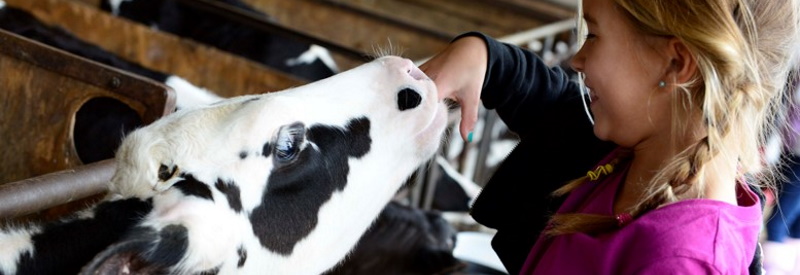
{"x": 284, "y": 182}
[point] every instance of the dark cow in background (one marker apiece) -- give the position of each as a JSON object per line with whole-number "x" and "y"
{"x": 309, "y": 62}
{"x": 403, "y": 240}
{"x": 281, "y": 183}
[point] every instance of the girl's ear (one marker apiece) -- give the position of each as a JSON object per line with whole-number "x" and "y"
{"x": 683, "y": 64}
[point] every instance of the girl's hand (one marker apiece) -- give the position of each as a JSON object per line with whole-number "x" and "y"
{"x": 459, "y": 71}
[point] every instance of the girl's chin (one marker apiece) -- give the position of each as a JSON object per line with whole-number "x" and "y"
{"x": 600, "y": 135}
{"x": 599, "y": 130}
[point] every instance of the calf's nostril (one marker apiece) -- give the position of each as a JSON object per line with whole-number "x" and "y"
{"x": 416, "y": 73}
{"x": 408, "y": 99}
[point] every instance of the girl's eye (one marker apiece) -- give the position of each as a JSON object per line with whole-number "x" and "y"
{"x": 590, "y": 36}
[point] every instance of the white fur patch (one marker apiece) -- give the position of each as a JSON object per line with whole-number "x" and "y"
{"x": 313, "y": 53}
{"x": 115, "y": 5}
{"x": 773, "y": 149}
{"x": 15, "y": 242}
{"x": 476, "y": 247}
{"x": 214, "y": 231}
{"x": 2, "y": 4}
{"x": 189, "y": 95}
{"x": 470, "y": 187}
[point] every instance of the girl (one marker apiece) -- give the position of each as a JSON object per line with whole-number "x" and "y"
{"x": 681, "y": 93}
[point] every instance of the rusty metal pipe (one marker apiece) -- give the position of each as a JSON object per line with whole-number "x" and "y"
{"x": 49, "y": 190}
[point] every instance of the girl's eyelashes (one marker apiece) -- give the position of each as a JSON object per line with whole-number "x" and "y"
{"x": 590, "y": 36}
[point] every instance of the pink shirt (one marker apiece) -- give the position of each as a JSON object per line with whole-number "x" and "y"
{"x": 696, "y": 236}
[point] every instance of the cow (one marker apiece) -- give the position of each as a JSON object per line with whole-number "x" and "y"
{"x": 306, "y": 61}
{"x": 283, "y": 182}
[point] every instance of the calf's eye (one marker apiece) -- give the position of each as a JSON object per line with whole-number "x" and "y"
{"x": 288, "y": 142}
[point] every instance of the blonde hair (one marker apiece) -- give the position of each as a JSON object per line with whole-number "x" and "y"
{"x": 744, "y": 50}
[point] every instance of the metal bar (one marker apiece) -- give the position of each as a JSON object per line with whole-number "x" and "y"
{"x": 539, "y": 32}
{"x": 431, "y": 179}
{"x": 490, "y": 119}
{"x": 415, "y": 194}
{"x": 49, "y": 190}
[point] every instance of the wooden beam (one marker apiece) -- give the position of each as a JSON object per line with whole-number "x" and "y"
{"x": 223, "y": 73}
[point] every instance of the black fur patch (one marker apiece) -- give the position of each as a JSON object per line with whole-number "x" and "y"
{"x": 213, "y": 271}
{"x": 242, "y": 256}
{"x": 193, "y": 187}
{"x": 143, "y": 251}
{"x": 231, "y": 192}
{"x": 295, "y": 192}
{"x": 267, "y": 150}
{"x": 165, "y": 173}
{"x": 61, "y": 248}
{"x": 172, "y": 244}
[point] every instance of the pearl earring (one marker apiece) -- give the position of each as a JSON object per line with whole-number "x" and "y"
{"x": 662, "y": 84}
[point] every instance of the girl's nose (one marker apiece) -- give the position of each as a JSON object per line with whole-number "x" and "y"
{"x": 577, "y": 61}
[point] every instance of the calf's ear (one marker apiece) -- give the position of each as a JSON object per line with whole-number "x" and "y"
{"x": 143, "y": 251}
{"x": 122, "y": 258}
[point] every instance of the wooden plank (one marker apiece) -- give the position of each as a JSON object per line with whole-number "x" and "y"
{"x": 218, "y": 71}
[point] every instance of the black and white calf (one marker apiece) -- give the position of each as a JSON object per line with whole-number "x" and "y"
{"x": 306, "y": 61}
{"x": 280, "y": 183}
